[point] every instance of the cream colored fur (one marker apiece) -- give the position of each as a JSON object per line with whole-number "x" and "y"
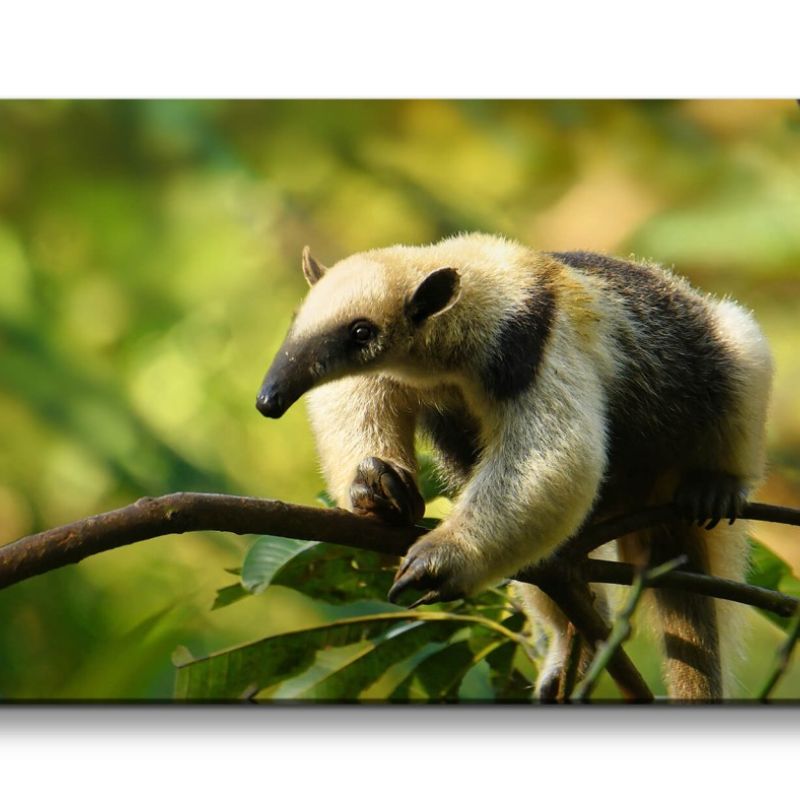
{"x": 543, "y": 456}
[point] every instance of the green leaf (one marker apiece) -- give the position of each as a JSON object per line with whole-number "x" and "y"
{"x": 508, "y": 683}
{"x": 770, "y": 571}
{"x": 336, "y": 574}
{"x": 790, "y": 584}
{"x": 181, "y": 655}
{"x": 430, "y": 483}
{"x": 326, "y": 500}
{"x": 349, "y": 680}
{"x": 243, "y": 671}
{"x": 437, "y": 677}
{"x": 327, "y": 572}
{"x": 228, "y": 595}
{"x": 266, "y": 556}
{"x": 325, "y": 662}
{"x": 766, "y": 568}
{"x": 477, "y": 683}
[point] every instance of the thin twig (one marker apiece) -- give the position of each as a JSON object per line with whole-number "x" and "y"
{"x": 621, "y": 629}
{"x": 597, "y": 571}
{"x": 575, "y": 602}
{"x": 783, "y": 656}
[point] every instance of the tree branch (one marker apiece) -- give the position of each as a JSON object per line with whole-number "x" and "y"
{"x": 183, "y": 512}
{"x": 596, "y": 571}
{"x": 564, "y": 576}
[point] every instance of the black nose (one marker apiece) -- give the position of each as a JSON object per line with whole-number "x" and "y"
{"x": 270, "y": 404}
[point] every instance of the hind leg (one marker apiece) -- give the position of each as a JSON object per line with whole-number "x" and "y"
{"x": 545, "y": 615}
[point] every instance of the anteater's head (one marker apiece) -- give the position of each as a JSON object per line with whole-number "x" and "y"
{"x": 364, "y": 314}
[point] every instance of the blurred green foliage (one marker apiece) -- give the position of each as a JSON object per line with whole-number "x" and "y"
{"x": 149, "y": 264}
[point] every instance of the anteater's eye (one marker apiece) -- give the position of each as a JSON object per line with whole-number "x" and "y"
{"x": 362, "y": 331}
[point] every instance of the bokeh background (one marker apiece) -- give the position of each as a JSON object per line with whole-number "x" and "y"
{"x": 149, "y": 264}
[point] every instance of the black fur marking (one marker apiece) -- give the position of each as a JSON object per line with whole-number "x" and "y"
{"x": 678, "y": 378}
{"x": 337, "y": 347}
{"x": 300, "y": 363}
{"x": 455, "y": 435}
{"x": 520, "y": 343}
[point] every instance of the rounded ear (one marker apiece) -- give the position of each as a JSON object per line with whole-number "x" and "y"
{"x": 312, "y": 269}
{"x": 437, "y": 292}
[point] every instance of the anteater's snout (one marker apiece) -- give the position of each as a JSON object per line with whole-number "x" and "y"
{"x": 289, "y": 377}
{"x": 270, "y": 403}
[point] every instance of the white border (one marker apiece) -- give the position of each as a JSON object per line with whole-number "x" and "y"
{"x": 418, "y": 48}
{"x": 399, "y": 752}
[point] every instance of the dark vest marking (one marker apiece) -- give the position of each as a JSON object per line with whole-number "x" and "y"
{"x": 679, "y": 377}
{"x": 456, "y": 436}
{"x": 518, "y": 347}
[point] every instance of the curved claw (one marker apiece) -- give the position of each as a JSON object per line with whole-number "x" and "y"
{"x": 431, "y": 566}
{"x": 411, "y": 573}
{"x": 736, "y": 506}
{"x": 707, "y": 497}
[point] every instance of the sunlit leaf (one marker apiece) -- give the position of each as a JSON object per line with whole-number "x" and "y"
{"x": 438, "y": 676}
{"x": 766, "y": 568}
{"x": 229, "y": 594}
{"x": 349, "y": 680}
{"x": 770, "y": 571}
{"x": 181, "y": 656}
{"x": 243, "y": 671}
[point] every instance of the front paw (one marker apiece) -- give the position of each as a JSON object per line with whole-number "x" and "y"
{"x": 437, "y": 565}
{"x": 386, "y": 491}
{"x": 710, "y": 496}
